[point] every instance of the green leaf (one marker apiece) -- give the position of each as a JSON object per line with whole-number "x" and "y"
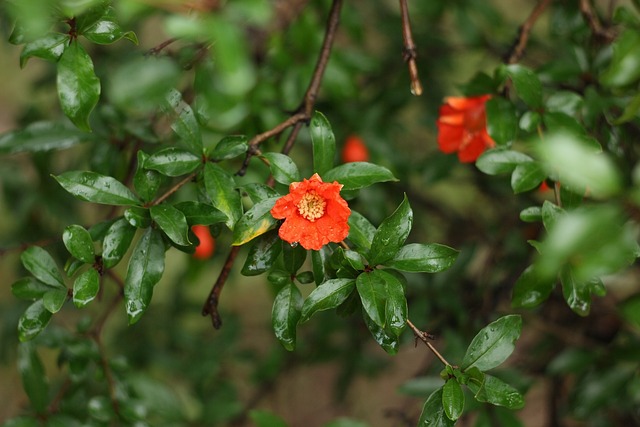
{"x": 146, "y": 267}
{"x": 429, "y": 258}
{"x": 39, "y": 263}
{"x": 255, "y": 222}
{"x": 221, "y": 189}
{"x": 262, "y": 418}
{"x": 433, "y": 414}
{"x": 285, "y": 315}
{"x": 386, "y": 340}
{"x": 54, "y": 299}
{"x": 372, "y": 289}
{"x": 49, "y": 48}
{"x": 173, "y": 161}
{"x": 624, "y": 68}
{"x": 258, "y": 192}
{"x": 452, "y": 399}
{"x": 96, "y": 188}
{"x": 550, "y": 213}
{"x": 106, "y": 30}
{"x": 530, "y": 289}
{"x": 185, "y": 124}
{"x": 502, "y": 121}
{"x": 29, "y": 288}
{"x": 493, "y": 344}
{"x": 293, "y": 257}
{"x": 138, "y": 217}
{"x": 496, "y": 392}
{"x": 576, "y": 293}
{"x": 396, "y": 310}
{"x": 230, "y": 147}
{"x": 78, "y": 86}
{"x": 146, "y": 182}
{"x": 86, "y": 287}
{"x": 526, "y": 83}
{"x": 531, "y": 214}
{"x": 262, "y": 254}
{"x": 198, "y": 213}
{"x": 283, "y": 169}
{"x": 361, "y": 231}
{"x": 527, "y": 176}
{"x": 319, "y": 262}
{"x": 355, "y": 260}
{"x": 500, "y": 160}
{"x": 34, "y": 380}
{"x": 329, "y": 295}
{"x": 33, "y": 321}
{"x": 391, "y": 234}
{"x": 324, "y": 143}
{"x": 78, "y": 242}
{"x": 116, "y": 242}
{"x": 356, "y": 175}
{"x": 172, "y": 222}
{"x": 42, "y": 136}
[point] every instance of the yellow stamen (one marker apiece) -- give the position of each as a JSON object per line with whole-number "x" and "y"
{"x": 311, "y": 206}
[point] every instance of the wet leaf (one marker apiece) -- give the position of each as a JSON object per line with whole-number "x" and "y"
{"x": 29, "y": 288}
{"x": 387, "y": 341}
{"x": 262, "y": 254}
{"x": 391, "y": 234}
{"x": 433, "y": 414}
{"x": 255, "y": 222}
{"x": 172, "y": 222}
{"x": 361, "y": 231}
{"x": 116, "y": 242}
{"x": 495, "y": 391}
{"x": 54, "y": 299}
{"x": 173, "y": 161}
{"x": 493, "y": 344}
{"x": 42, "y": 136}
{"x": 396, "y": 309}
{"x": 230, "y": 147}
{"x": 356, "y": 175}
{"x": 49, "y": 48}
{"x": 285, "y": 315}
{"x": 527, "y": 176}
{"x": 39, "y": 263}
{"x": 283, "y": 169}
{"x": 452, "y": 399}
{"x": 500, "y": 160}
{"x": 293, "y": 256}
{"x": 530, "y": 289}
{"x": 373, "y": 295}
{"x": 429, "y": 258}
{"x": 324, "y": 143}
{"x": 86, "y": 287}
{"x": 79, "y": 243}
{"x": 33, "y": 321}
{"x": 222, "y": 192}
{"x": 198, "y": 213}
{"x": 326, "y": 296}
{"x": 93, "y": 187}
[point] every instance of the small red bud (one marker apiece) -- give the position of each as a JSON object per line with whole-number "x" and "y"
{"x": 207, "y": 245}
{"x": 355, "y": 150}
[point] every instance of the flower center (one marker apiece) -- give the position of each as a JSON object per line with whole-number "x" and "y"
{"x": 311, "y": 206}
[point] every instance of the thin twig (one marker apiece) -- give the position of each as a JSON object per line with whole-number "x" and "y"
{"x": 604, "y": 33}
{"x": 410, "y": 54}
{"x": 425, "y": 337}
{"x": 173, "y": 189}
{"x": 157, "y": 49}
{"x": 210, "y": 307}
{"x": 517, "y": 51}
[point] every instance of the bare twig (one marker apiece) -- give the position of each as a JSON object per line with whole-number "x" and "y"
{"x": 173, "y": 189}
{"x": 425, "y": 337}
{"x": 409, "y": 54}
{"x": 210, "y": 307}
{"x": 157, "y": 49}
{"x": 604, "y": 33}
{"x": 517, "y": 51}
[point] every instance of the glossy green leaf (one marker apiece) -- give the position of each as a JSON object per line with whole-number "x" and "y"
{"x": 429, "y": 258}
{"x": 38, "y": 262}
{"x": 72, "y": 266}
{"x": 29, "y": 288}
{"x": 146, "y": 182}
{"x": 624, "y": 68}
{"x": 500, "y": 160}
{"x": 266, "y": 419}
{"x": 172, "y": 222}
{"x": 496, "y": 392}
{"x": 184, "y": 124}
{"x": 173, "y": 161}
{"x": 78, "y": 242}
{"x": 329, "y": 295}
{"x": 433, "y": 414}
{"x": 146, "y": 267}
{"x": 550, "y": 212}
{"x": 42, "y": 136}
{"x": 385, "y": 339}
{"x": 361, "y": 231}
{"x": 283, "y": 169}
{"x": 54, "y": 299}
{"x": 49, "y": 48}
{"x": 78, "y": 86}
{"x": 391, "y": 234}
{"x": 320, "y": 264}
{"x": 531, "y": 214}
{"x": 138, "y": 217}
{"x": 305, "y": 277}
{"x": 285, "y": 315}
{"x": 576, "y": 293}
{"x": 258, "y": 192}
{"x": 106, "y": 29}
{"x": 262, "y": 254}
{"x": 324, "y": 143}
{"x": 222, "y": 192}
{"x": 33, "y": 376}
{"x": 293, "y": 256}
{"x": 279, "y": 277}
{"x": 530, "y": 289}
{"x": 355, "y": 260}
{"x": 255, "y": 222}
{"x": 356, "y": 175}
{"x": 526, "y": 83}
{"x": 452, "y": 399}
{"x": 230, "y": 147}
{"x": 502, "y": 121}
{"x": 372, "y": 289}
{"x": 198, "y": 213}
{"x": 116, "y": 242}
{"x": 33, "y": 321}
{"x": 396, "y": 310}
{"x": 93, "y": 187}
{"x": 493, "y": 344}
{"x": 527, "y": 176}
{"x": 86, "y": 287}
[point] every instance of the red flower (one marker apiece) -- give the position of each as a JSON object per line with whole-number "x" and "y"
{"x": 207, "y": 244}
{"x": 354, "y": 150}
{"x": 314, "y": 213}
{"x": 462, "y": 127}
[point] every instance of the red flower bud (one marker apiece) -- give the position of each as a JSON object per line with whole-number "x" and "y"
{"x": 207, "y": 245}
{"x": 354, "y": 150}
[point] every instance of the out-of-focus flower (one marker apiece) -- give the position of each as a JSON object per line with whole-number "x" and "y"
{"x": 207, "y": 245}
{"x": 462, "y": 127}
{"x": 354, "y": 150}
{"x": 314, "y": 213}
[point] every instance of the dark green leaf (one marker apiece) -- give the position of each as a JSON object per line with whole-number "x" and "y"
{"x": 495, "y": 391}
{"x": 93, "y": 187}
{"x": 324, "y": 143}
{"x": 433, "y": 414}
{"x": 221, "y": 189}
{"x": 146, "y": 182}
{"x": 305, "y": 277}
{"x": 266, "y": 419}
{"x": 138, "y": 217}
{"x": 527, "y": 176}
{"x": 502, "y": 121}
{"x": 283, "y": 169}
{"x": 39, "y": 263}
{"x": 78, "y": 86}
{"x": 173, "y": 161}
{"x": 33, "y": 376}
{"x": 391, "y": 234}
{"x": 354, "y": 259}
{"x": 255, "y": 222}
{"x": 571, "y": 198}
{"x": 106, "y": 30}
{"x": 29, "y": 288}
{"x": 326, "y": 296}
{"x": 500, "y": 160}
{"x": 230, "y": 147}
{"x": 361, "y": 231}
{"x": 387, "y": 341}
{"x": 172, "y": 222}
{"x": 550, "y": 213}
{"x": 262, "y": 254}
{"x": 49, "y": 48}
{"x": 72, "y": 266}
{"x": 185, "y": 124}
{"x": 285, "y": 315}
{"x": 54, "y": 299}
{"x": 576, "y": 293}
{"x": 493, "y": 344}
{"x": 319, "y": 262}
{"x": 531, "y": 214}
{"x": 372, "y": 289}
{"x": 530, "y": 289}
{"x": 198, "y": 213}
{"x": 356, "y": 175}
{"x": 42, "y": 136}
{"x": 396, "y": 310}
{"x": 78, "y": 242}
{"x": 526, "y": 83}
{"x": 116, "y": 242}
{"x": 33, "y": 321}
{"x": 146, "y": 267}
{"x": 293, "y": 256}
{"x": 624, "y": 68}
{"x": 452, "y": 399}
{"x": 86, "y": 287}
{"x": 429, "y": 258}
{"x": 279, "y": 277}
{"x": 258, "y": 192}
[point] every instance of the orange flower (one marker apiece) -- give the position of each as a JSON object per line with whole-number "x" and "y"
{"x": 354, "y": 150}
{"x": 314, "y": 213}
{"x": 207, "y": 244}
{"x": 462, "y": 127}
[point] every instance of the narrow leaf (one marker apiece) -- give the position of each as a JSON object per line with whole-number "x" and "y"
{"x": 326, "y": 296}
{"x": 324, "y": 143}
{"x": 356, "y": 175}
{"x": 283, "y": 169}
{"x": 185, "y": 124}
{"x": 198, "y": 213}
{"x": 116, "y": 242}
{"x": 172, "y": 222}
{"x": 255, "y": 222}
{"x": 396, "y": 310}
{"x": 387, "y": 341}
{"x": 452, "y": 399}
{"x": 230, "y": 147}
{"x": 361, "y": 231}
{"x": 429, "y": 258}
{"x": 173, "y": 161}
{"x": 495, "y": 391}
{"x": 433, "y": 414}
{"x": 29, "y": 288}
{"x": 373, "y": 295}
{"x": 42, "y": 136}
{"x": 222, "y": 192}
{"x": 499, "y": 160}
{"x": 493, "y": 344}
{"x": 93, "y": 187}
{"x": 285, "y": 315}
{"x": 39, "y": 263}
{"x": 391, "y": 234}
{"x": 531, "y": 289}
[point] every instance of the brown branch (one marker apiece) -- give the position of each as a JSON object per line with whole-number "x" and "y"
{"x": 425, "y": 337}
{"x": 173, "y": 189}
{"x": 409, "y": 54}
{"x": 604, "y": 33}
{"x": 157, "y": 49}
{"x": 517, "y": 51}
{"x": 210, "y": 307}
